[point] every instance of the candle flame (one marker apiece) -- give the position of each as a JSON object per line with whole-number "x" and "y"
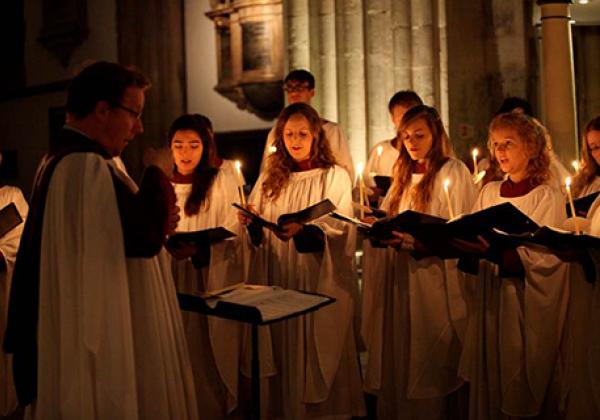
{"x": 272, "y": 149}
{"x": 568, "y": 181}
{"x": 360, "y": 167}
{"x": 379, "y": 150}
{"x": 446, "y": 183}
{"x": 238, "y": 165}
{"x": 575, "y": 165}
{"x": 475, "y": 153}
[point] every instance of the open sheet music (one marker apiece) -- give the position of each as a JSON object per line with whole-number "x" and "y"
{"x": 9, "y": 219}
{"x": 205, "y": 237}
{"x": 306, "y": 215}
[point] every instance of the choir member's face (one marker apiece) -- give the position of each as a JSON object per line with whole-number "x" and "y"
{"x": 298, "y": 92}
{"x": 510, "y": 152}
{"x": 593, "y": 142}
{"x": 297, "y": 137}
{"x": 187, "y": 148}
{"x": 397, "y": 113}
{"x": 123, "y": 121}
{"x": 417, "y": 139}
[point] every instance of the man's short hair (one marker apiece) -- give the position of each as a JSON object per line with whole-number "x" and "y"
{"x": 405, "y": 98}
{"x": 301, "y": 75}
{"x": 101, "y": 81}
{"x": 512, "y": 103}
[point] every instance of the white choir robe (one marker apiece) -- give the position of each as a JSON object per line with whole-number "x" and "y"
{"x": 514, "y": 335}
{"x": 314, "y": 356}
{"x": 110, "y": 338}
{"x": 337, "y": 142}
{"x": 415, "y": 313}
{"x": 214, "y": 343}
{"x": 558, "y": 173}
{"x": 581, "y": 388}
{"x": 380, "y": 165}
{"x": 9, "y": 245}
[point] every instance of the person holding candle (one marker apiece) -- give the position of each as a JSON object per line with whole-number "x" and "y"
{"x": 587, "y": 179}
{"x": 515, "y": 325}
{"x": 414, "y": 309}
{"x": 385, "y": 153}
{"x": 206, "y": 186}
{"x": 317, "y": 371}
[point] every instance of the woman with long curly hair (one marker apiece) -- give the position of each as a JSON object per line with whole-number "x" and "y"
{"x": 414, "y": 310}
{"x": 519, "y": 307}
{"x": 206, "y": 186}
{"x": 316, "y": 371}
{"x": 587, "y": 180}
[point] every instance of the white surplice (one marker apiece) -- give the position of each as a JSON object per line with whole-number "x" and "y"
{"x": 317, "y": 371}
{"x": 9, "y": 244}
{"x": 337, "y": 142}
{"x": 110, "y": 339}
{"x": 380, "y": 164}
{"x": 415, "y": 313}
{"x": 214, "y": 343}
{"x": 514, "y": 334}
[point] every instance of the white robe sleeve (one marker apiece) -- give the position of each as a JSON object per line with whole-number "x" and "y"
{"x": 86, "y": 366}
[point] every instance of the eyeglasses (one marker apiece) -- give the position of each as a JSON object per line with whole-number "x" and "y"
{"x": 135, "y": 114}
{"x": 296, "y": 88}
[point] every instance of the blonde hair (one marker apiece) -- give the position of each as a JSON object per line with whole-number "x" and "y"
{"x": 589, "y": 167}
{"x": 280, "y": 163}
{"x": 441, "y": 150}
{"x": 533, "y": 135}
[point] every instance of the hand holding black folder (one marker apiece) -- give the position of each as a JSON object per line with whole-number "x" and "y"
{"x": 582, "y": 204}
{"x": 9, "y": 219}
{"x": 303, "y": 216}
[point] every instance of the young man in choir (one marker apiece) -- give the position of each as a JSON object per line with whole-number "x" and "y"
{"x": 385, "y": 153}
{"x": 513, "y": 339}
{"x": 316, "y": 364}
{"x": 9, "y": 244}
{"x": 299, "y": 86}
{"x": 206, "y": 186}
{"x": 414, "y": 308}
{"x": 587, "y": 180}
{"x": 94, "y": 325}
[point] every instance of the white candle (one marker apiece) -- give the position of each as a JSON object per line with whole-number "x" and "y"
{"x": 475, "y": 153}
{"x": 238, "y": 167}
{"x": 447, "y": 193}
{"x": 361, "y": 188}
{"x": 375, "y": 166}
{"x": 572, "y": 205}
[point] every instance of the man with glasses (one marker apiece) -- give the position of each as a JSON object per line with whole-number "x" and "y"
{"x": 94, "y": 326}
{"x": 299, "y": 86}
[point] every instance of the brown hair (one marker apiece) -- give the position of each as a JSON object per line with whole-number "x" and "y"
{"x": 280, "y": 163}
{"x": 589, "y": 167}
{"x": 534, "y": 136}
{"x": 441, "y": 150}
{"x": 208, "y": 167}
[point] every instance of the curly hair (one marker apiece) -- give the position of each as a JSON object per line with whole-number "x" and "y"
{"x": 535, "y": 138}
{"x": 208, "y": 167}
{"x": 589, "y": 166}
{"x": 441, "y": 150}
{"x": 280, "y": 163}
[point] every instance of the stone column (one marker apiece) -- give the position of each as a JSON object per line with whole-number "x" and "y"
{"x": 327, "y": 81}
{"x": 298, "y": 34}
{"x": 352, "y": 74}
{"x": 422, "y": 50}
{"x": 558, "y": 77}
{"x": 402, "y": 49}
{"x": 379, "y": 64}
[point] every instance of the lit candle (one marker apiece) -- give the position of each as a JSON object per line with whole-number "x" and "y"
{"x": 238, "y": 167}
{"x": 447, "y": 193}
{"x": 272, "y": 149}
{"x": 361, "y": 188}
{"x": 379, "y": 151}
{"x": 571, "y": 204}
{"x": 475, "y": 153}
{"x": 575, "y": 165}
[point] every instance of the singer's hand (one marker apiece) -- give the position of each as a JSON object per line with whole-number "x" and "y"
{"x": 242, "y": 218}
{"x": 290, "y": 230}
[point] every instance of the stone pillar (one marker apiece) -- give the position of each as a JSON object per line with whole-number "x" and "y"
{"x": 422, "y": 50}
{"x": 558, "y": 81}
{"x": 298, "y": 34}
{"x": 352, "y": 75}
{"x": 379, "y": 62}
{"x": 402, "y": 48}
{"x": 442, "y": 63}
{"x": 327, "y": 82}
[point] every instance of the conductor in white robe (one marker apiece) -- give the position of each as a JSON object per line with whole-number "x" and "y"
{"x": 94, "y": 326}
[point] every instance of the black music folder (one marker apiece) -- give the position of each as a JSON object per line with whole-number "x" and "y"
{"x": 550, "y": 238}
{"x": 303, "y": 216}
{"x": 383, "y": 182}
{"x": 9, "y": 219}
{"x": 582, "y": 205}
{"x": 205, "y": 237}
